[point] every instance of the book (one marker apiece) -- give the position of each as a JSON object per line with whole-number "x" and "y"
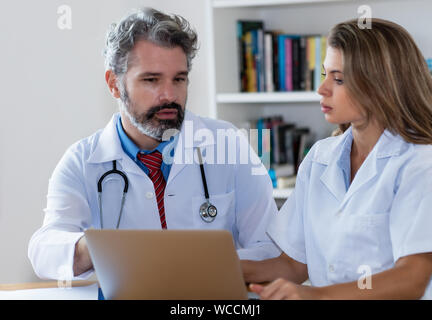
{"x": 289, "y": 148}
{"x": 285, "y": 154}
{"x": 276, "y": 59}
{"x": 289, "y": 83}
{"x": 250, "y": 68}
{"x": 296, "y": 62}
{"x": 272, "y": 124}
{"x": 323, "y": 54}
{"x": 311, "y": 52}
{"x": 281, "y": 61}
{"x": 284, "y": 170}
{"x": 243, "y": 27}
{"x": 318, "y": 63}
{"x": 259, "y": 58}
{"x": 268, "y": 57}
{"x": 303, "y": 64}
{"x": 300, "y": 136}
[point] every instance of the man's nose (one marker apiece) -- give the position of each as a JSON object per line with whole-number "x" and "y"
{"x": 168, "y": 93}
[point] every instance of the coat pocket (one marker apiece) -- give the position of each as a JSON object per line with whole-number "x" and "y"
{"x": 225, "y": 205}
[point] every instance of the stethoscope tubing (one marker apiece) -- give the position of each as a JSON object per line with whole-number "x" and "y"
{"x": 204, "y": 209}
{"x": 203, "y": 177}
{"x": 125, "y": 190}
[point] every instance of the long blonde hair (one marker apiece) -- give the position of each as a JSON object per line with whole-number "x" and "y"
{"x": 387, "y": 76}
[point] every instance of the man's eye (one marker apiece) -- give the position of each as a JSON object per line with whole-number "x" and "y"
{"x": 180, "y": 79}
{"x": 150, "y": 79}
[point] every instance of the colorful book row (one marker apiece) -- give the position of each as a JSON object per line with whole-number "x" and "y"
{"x": 275, "y": 61}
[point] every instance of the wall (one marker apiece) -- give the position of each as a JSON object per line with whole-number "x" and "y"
{"x": 53, "y": 93}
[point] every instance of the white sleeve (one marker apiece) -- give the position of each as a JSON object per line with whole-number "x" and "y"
{"x": 67, "y": 215}
{"x": 286, "y": 229}
{"x": 411, "y": 212}
{"x": 254, "y": 208}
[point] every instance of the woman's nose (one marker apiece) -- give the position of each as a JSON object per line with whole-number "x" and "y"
{"x": 324, "y": 89}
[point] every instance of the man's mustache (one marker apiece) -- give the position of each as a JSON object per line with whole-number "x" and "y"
{"x": 152, "y": 111}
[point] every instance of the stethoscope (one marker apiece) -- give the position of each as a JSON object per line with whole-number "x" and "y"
{"x": 125, "y": 190}
{"x": 207, "y": 211}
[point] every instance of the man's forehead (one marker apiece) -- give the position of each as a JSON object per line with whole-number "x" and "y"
{"x": 149, "y": 57}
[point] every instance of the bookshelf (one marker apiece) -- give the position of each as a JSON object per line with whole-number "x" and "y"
{"x": 282, "y": 193}
{"x": 268, "y": 97}
{"x": 263, "y": 3}
{"x": 301, "y": 17}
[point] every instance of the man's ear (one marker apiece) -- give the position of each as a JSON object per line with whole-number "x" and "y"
{"x": 111, "y": 80}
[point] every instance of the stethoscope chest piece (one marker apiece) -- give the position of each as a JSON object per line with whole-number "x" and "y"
{"x": 208, "y": 212}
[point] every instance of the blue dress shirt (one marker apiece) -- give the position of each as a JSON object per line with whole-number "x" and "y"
{"x": 131, "y": 149}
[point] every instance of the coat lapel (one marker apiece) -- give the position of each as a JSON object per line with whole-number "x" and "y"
{"x": 108, "y": 148}
{"x": 367, "y": 172}
{"x": 333, "y": 177}
{"x": 334, "y": 180}
{"x": 185, "y": 150}
{"x": 388, "y": 145}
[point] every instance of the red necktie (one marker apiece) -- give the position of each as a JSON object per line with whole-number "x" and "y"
{"x": 153, "y": 163}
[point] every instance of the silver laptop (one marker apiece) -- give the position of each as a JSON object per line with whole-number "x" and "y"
{"x": 166, "y": 264}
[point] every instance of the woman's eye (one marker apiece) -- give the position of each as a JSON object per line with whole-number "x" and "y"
{"x": 339, "y": 81}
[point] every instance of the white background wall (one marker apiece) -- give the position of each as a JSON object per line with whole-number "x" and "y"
{"x": 53, "y": 93}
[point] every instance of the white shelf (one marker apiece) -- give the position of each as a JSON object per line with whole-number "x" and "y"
{"x": 256, "y": 3}
{"x": 282, "y": 193}
{"x": 268, "y": 97}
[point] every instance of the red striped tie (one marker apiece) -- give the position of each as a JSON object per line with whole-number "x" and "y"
{"x": 153, "y": 163}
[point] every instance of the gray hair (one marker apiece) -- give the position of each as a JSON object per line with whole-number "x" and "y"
{"x": 147, "y": 24}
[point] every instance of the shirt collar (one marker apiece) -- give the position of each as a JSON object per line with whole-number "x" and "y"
{"x": 130, "y": 147}
{"x": 388, "y": 145}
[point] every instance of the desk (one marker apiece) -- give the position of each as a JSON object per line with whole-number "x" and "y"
{"x": 42, "y": 285}
{"x": 51, "y": 290}
{"x": 18, "y": 291}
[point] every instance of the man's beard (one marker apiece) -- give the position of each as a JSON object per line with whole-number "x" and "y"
{"x": 146, "y": 123}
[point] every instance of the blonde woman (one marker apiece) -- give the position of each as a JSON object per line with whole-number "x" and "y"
{"x": 359, "y": 223}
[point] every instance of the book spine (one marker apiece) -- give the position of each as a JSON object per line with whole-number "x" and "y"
{"x": 268, "y": 56}
{"x": 311, "y": 61}
{"x": 260, "y": 59}
{"x": 255, "y": 52}
{"x": 281, "y": 50}
{"x": 302, "y": 63}
{"x": 296, "y": 63}
{"x": 323, "y": 53}
{"x": 241, "y": 57}
{"x": 275, "y": 62}
{"x": 250, "y": 73}
{"x": 289, "y": 85}
{"x": 318, "y": 63}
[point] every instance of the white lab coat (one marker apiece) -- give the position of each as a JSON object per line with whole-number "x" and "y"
{"x": 385, "y": 214}
{"x": 244, "y": 200}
